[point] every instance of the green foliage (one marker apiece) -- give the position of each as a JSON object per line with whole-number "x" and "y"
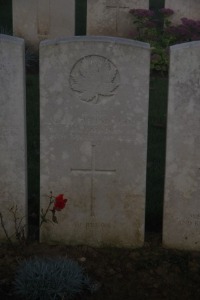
{"x": 151, "y": 28}
{"x": 51, "y": 279}
{"x": 155, "y": 27}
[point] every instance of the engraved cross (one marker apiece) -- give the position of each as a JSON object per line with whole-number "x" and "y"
{"x": 116, "y": 4}
{"x": 93, "y": 171}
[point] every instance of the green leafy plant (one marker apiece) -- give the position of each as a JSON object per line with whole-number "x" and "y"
{"x": 155, "y": 27}
{"x": 151, "y": 28}
{"x": 47, "y": 278}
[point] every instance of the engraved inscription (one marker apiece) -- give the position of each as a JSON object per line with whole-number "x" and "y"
{"x": 93, "y": 171}
{"x": 100, "y": 127}
{"x": 94, "y": 77}
{"x": 192, "y": 220}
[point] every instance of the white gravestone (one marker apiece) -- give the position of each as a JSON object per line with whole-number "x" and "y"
{"x": 112, "y": 17}
{"x": 43, "y": 19}
{"x": 183, "y": 9}
{"x": 12, "y": 133}
{"x": 94, "y": 111}
{"x": 181, "y": 227}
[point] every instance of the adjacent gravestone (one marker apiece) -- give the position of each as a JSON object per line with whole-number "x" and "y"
{"x": 183, "y": 9}
{"x": 12, "y": 134}
{"x": 94, "y": 111}
{"x": 112, "y": 17}
{"x": 43, "y": 19}
{"x": 182, "y": 183}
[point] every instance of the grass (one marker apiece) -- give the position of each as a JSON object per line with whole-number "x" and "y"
{"x": 156, "y": 131}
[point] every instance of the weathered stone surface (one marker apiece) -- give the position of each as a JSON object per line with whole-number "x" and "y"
{"x": 183, "y": 9}
{"x": 111, "y": 17}
{"x": 43, "y": 19}
{"x": 12, "y": 132}
{"x": 94, "y": 110}
{"x": 182, "y": 189}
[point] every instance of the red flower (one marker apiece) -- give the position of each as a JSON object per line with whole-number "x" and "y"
{"x": 60, "y": 202}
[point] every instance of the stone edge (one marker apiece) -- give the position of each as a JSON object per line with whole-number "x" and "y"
{"x": 104, "y": 39}
{"x": 185, "y": 45}
{"x": 11, "y": 39}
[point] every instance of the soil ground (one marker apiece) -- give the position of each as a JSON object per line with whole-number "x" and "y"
{"x": 151, "y": 272}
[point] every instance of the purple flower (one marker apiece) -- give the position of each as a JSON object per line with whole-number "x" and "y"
{"x": 195, "y": 37}
{"x": 182, "y": 33}
{"x": 142, "y": 13}
{"x": 166, "y": 12}
{"x": 188, "y": 22}
{"x": 193, "y": 26}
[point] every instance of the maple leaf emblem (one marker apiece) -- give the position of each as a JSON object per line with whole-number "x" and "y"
{"x": 94, "y": 76}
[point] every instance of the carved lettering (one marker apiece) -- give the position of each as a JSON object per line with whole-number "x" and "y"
{"x": 101, "y": 127}
{"x": 192, "y": 220}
